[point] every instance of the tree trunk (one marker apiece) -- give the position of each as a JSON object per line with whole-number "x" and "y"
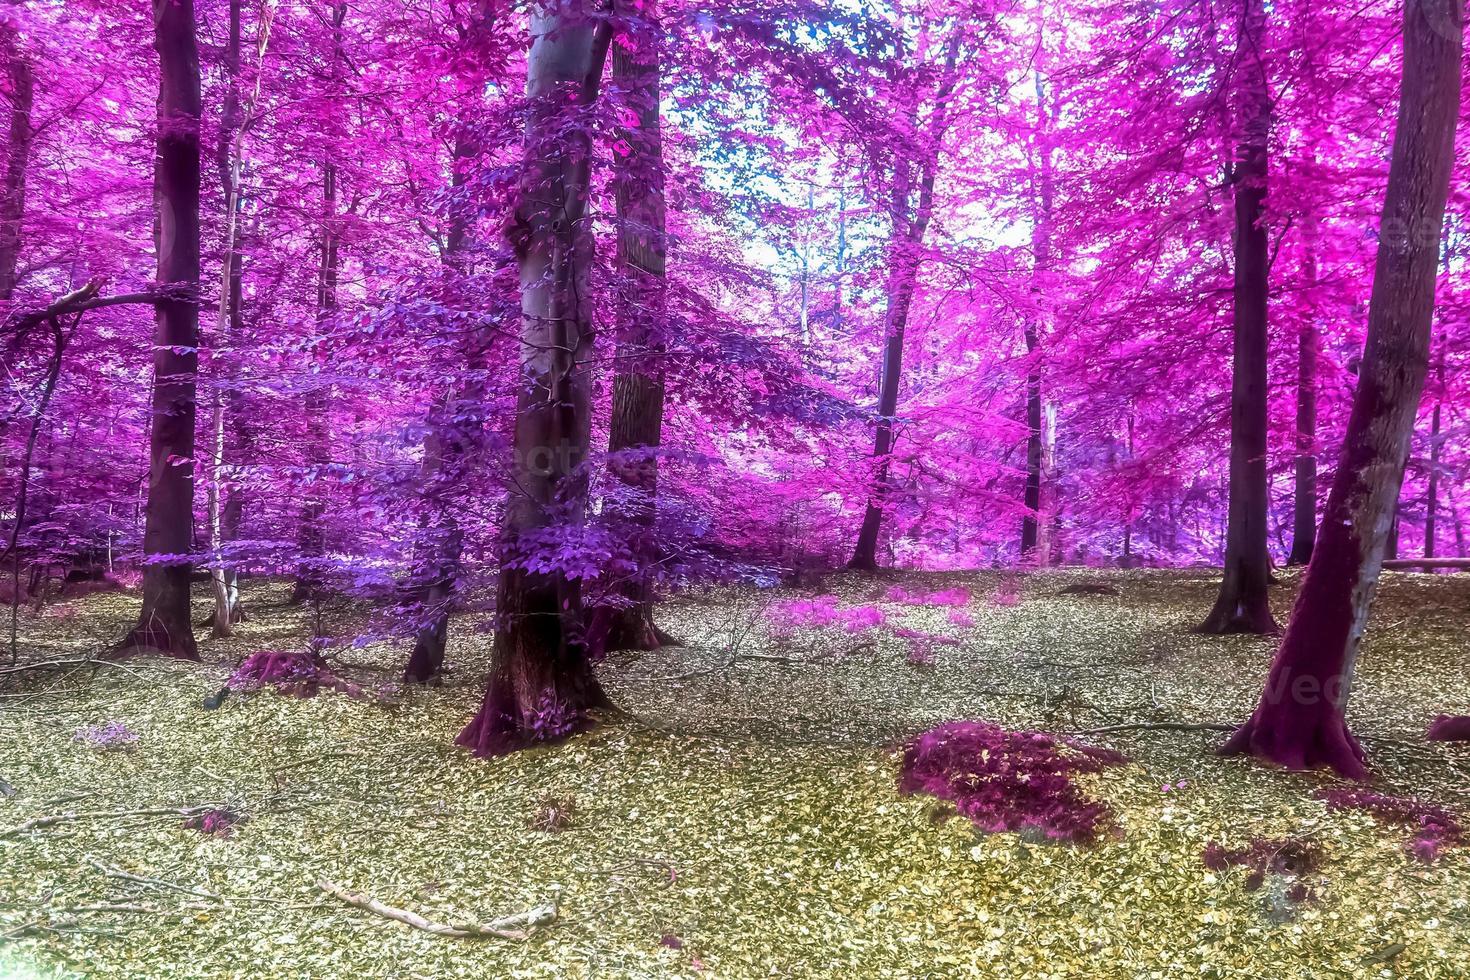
{"x": 168, "y": 536}
{"x": 636, "y": 428}
{"x": 903, "y": 270}
{"x": 1436, "y": 446}
{"x": 17, "y": 161}
{"x": 311, "y": 534}
{"x": 1040, "y": 418}
{"x": 906, "y": 242}
{"x": 1243, "y": 605}
{"x": 541, "y": 683}
{"x": 1304, "y": 506}
{"x": 228, "y": 158}
{"x": 453, "y": 439}
{"x": 1300, "y": 722}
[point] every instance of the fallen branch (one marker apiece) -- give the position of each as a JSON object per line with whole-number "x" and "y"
{"x": 1206, "y": 726}
{"x": 1168, "y": 726}
{"x": 51, "y": 820}
{"x": 1462, "y": 564}
{"x": 519, "y": 927}
{"x": 159, "y": 883}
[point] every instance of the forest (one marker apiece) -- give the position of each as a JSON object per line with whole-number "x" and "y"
{"x": 733, "y": 489}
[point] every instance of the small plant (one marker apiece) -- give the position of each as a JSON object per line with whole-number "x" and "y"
{"x": 957, "y": 597}
{"x": 214, "y": 823}
{"x": 551, "y": 720}
{"x": 1282, "y": 866}
{"x": 295, "y": 672}
{"x": 554, "y": 814}
{"x": 1435, "y": 828}
{"x": 1005, "y": 780}
{"x": 111, "y": 736}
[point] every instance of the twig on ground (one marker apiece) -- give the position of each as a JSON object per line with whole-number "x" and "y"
{"x": 520, "y": 927}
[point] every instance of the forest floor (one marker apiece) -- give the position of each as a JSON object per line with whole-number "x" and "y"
{"x": 741, "y": 818}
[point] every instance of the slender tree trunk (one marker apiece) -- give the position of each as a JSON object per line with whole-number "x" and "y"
{"x": 1243, "y": 605}
{"x": 168, "y": 536}
{"x": 542, "y": 685}
{"x": 453, "y": 439}
{"x": 227, "y": 609}
{"x": 1300, "y": 721}
{"x": 1304, "y": 505}
{"x": 17, "y": 162}
{"x": 909, "y": 226}
{"x": 902, "y": 278}
{"x": 1431, "y": 502}
{"x": 636, "y": 428}
{"x": 1460, "y": 550}
{"x": 1035, "y": 524}
{"x": 311, "y": 534}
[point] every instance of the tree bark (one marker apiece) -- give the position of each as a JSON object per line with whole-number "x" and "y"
{"x": 1243, "y": 604}
{"x": 542, "y": 685}
{"x": 168, "y": 537}
{"x": 17, "y": 162}
{"x": 636, "y": 428}
{"x": 1300, "y": 722}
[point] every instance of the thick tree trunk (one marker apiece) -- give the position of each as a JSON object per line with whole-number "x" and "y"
{"x": 1300, "y": 722}
{"x": 542, "y": 685}
{"x": 17, "y": 162}
{"x": 1243, "y": 605}
{"x": 168, "y": 536}
{"x": 636, "y": 428}
{"x": 1304, "y": 502}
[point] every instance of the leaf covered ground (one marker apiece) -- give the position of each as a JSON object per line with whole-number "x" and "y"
{"x": 740, "y": 818}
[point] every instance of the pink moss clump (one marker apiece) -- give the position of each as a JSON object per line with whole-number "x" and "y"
{"x": 1435, "y": 828}
{"x": 1449, "y": 728}
{"x": 1006, "y": 780}
{"x": 961, "y": 618}
{"x": 296, "y": 673}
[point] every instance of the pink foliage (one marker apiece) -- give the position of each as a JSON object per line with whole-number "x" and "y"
{"x": 1010, "y": 780}
{"x": 824, "y": 611}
